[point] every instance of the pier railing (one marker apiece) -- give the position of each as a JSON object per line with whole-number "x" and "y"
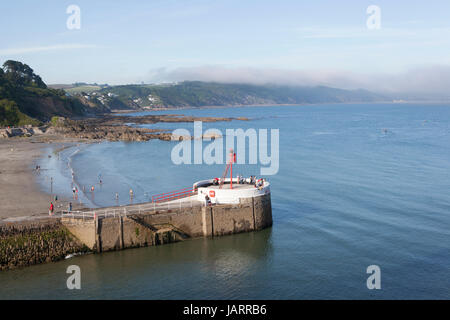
{"x": 148, "y": 208}
{"x": 173, "y": 195}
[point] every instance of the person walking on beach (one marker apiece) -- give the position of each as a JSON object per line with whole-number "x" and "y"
{"x": 51, "y": 209}
{"x": 70, "y": 207}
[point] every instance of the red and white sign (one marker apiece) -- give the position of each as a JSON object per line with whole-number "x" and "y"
{"x": 212, "y": 193}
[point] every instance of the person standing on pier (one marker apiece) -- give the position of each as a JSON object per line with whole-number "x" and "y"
{"x": 207, "y": 201}
{"x": 51, "y": 209}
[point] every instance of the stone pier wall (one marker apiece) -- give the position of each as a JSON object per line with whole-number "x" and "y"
{"x": 27, "y": 243}
{"x": 44, "y": 240}
{"x": 150, "y": 228}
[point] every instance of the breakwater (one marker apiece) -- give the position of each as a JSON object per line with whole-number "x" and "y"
{"x": 46, "y": 240}
{"x": 149, "y": 227}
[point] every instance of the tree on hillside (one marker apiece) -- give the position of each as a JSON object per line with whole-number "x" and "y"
{"x": 21, "y": 74}
{"x": 9, "y": 113}
{"x": 4, "y": 85}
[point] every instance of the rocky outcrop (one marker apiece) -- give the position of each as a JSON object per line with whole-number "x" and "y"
{"x": 26, "y": 131}
{"x": 117, "y": 128}
{"x": 32, "y": 243}
{"x": 4, "y": 133}
{"x": 113, "y": 128}
{"x": 110, "y": 133}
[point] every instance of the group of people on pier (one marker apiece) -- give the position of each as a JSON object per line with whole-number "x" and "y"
{"x": 258, "y": 183}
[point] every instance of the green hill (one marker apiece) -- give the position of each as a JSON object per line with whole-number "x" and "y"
{"x": 26, "y": 99}
{"x": 10, "y": 115}
{"x": 197, "y": 94}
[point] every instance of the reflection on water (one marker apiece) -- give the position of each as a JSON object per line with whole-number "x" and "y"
{"x": 145, "y": 273}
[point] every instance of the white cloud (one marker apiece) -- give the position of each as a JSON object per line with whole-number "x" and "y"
{"x": 14, "y": 51}
{"x": 427, "y": 80}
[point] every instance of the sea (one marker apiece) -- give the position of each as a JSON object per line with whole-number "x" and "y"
{"x": 357, "y": 186}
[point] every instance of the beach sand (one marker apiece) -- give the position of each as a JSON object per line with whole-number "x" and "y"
{"x": 20, "y": 194}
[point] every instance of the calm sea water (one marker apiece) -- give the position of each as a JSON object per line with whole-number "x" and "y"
{"x": 348, "y": 194}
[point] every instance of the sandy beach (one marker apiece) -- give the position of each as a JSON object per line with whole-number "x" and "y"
{"x": 20, "y": 194}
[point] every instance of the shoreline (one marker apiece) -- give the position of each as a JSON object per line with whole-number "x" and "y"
{"x": 22, "y": 196}
{"x": 174, "y": 108}
{"x": 89, "y": 203}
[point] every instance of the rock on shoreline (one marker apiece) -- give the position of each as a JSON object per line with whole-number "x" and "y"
{"x": 25, "y": 244}
{"x": 26, "y": 131}
{"x": 114, "y": 128}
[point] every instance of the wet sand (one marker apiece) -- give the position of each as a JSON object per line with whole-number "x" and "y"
{"x": 20, "y": 194}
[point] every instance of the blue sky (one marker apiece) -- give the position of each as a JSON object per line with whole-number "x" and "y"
{"x": 133, "y": 41}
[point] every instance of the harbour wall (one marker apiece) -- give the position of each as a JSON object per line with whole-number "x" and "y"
{"x": 165, "y": 226}
{"x": 45, "y": 240}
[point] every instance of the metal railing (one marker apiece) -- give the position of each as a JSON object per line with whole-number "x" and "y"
{"x": 173, "y": 195}
{"x": 148, "y": 208}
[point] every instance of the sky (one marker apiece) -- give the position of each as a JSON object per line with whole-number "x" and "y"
{"x": 287, "y": 42}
